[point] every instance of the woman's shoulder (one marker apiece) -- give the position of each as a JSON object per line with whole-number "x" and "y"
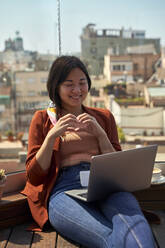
{"x": 40, "y": 114}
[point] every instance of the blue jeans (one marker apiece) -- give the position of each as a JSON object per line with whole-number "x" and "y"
{"x": 114, "y": 222}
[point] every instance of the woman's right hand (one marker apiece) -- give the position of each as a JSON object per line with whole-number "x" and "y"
{"x": 43, "y": 156}
{"x": 65, "y": 123}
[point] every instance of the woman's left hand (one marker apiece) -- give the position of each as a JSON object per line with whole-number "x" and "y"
{"x": 89, "y": 123}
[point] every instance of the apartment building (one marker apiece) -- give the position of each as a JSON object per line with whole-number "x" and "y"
{"x": 5, "y": 108}
{"x": 154, "y": 96}
{"x": 140, "y": 120}
{"x": 130, "y": 67}
{"x": 96, "y": 42}
{"x": 30, "y": 95}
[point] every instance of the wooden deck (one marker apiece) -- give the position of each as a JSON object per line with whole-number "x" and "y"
{"x": 15, "y": 218}
{"x": 18, "y": 236}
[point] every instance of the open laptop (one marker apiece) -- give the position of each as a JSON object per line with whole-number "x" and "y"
{"x": 128, "y": 170}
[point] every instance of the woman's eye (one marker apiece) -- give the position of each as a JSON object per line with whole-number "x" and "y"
{"x": 83, "y": 83}
{"x": 69, "y": 85}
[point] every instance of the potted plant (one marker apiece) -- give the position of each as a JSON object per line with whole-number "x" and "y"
{"x": 20, "y": 135}
{"x": 10, "y": 135}
{"x": 2, "y": 181}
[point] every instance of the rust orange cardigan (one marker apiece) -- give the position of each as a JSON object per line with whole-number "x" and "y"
{"x": 40, "y": 183}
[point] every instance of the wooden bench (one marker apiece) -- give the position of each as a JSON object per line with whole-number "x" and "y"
{"x": 15, "y": 217}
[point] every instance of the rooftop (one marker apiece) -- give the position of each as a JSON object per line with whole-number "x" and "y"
{"x": 156, "y": 91}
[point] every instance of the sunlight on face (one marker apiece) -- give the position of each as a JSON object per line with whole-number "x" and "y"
{"x": 74, "y": 89}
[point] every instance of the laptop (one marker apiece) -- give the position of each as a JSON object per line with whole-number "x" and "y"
{"x": 128, "y": 170}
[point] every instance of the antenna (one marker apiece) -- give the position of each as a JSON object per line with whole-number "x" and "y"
{"x": 59, "y": 27}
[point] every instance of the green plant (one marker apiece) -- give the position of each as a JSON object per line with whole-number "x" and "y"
{"x": 2, "y": 175}
{"x": 20, "y": 135}
{"x": 2, "y": 181}
{"x": 9, "y": 133}
{"x": 121, "y": 134}
{"x": 135, "y": 100}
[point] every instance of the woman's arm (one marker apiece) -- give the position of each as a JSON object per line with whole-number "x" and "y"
{"x": 105, "y": 144}
{"x": 40, "y": 147}
{"x": 35, "y": 173}
{"x": 44, "y": 154}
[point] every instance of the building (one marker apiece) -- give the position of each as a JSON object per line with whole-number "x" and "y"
{"x": 15, "y": 44}
{"x": 133, "y": 119}
{"x": 15, "y": 58}
{"x": 158, "y": 78}
{"x": 154, "y": 96}
{"x": 96, "y": 42}
{"x": 130, "y": 67}
{"x": 30, "y": 95}
{"x": 43, "y": 62}
{"x": 163, "y": 57}
{"x": 139, "y": 120}
{"x": 5, "y": 102}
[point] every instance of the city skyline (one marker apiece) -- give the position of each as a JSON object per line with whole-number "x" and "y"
{"x": 37, "y": 21}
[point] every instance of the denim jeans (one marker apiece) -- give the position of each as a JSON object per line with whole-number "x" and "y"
{"x": 115, "y": 222}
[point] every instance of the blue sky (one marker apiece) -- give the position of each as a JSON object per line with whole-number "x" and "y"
{"x": 37, "y": 20}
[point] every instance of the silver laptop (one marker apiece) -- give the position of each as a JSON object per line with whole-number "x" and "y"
{"x": 128, "y": 170}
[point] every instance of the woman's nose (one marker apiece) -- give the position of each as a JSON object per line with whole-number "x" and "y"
{"x": 76, "y": 88}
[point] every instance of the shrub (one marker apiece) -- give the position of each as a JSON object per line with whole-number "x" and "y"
{"x": 121, "y": 134}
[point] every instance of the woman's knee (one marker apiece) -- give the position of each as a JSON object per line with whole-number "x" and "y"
{"x": 123, "y": 201}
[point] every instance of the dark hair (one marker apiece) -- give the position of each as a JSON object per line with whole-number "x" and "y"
{"x": 60, "y": 69}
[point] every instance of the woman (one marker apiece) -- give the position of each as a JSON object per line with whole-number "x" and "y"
{"x": 61, "y": 143}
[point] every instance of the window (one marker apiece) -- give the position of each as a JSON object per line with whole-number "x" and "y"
{"x": 116, "y": 67}
{"x": 44, "y": 93}
{"x": 94, "y": 50}
{"x": 31, "y": 93}
{"x": 135, "y": 67}
{"x": 18, "y": 93}
{"x": 30, "y": 80}
{"x": 43, "y": 80}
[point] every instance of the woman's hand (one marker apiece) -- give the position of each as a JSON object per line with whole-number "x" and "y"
{"x": 67, "y": 122}
{"x": 43, "y": 156}
{"x": 89, "y": 123}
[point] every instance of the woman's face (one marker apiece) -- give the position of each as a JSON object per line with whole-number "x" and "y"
{"x": 74, "y": 89}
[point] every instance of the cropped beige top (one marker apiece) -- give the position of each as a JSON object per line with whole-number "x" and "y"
{"x": 77, "y": 146}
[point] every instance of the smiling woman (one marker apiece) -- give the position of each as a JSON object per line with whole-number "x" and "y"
{"x": 54, "y": 164}
{"x": 72, "y": 129}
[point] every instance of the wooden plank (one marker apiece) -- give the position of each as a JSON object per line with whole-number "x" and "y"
{"x": 14, "y": 197}
{"x": 152, "y": 205}
{"x": 20, "y": 237}
{"x": 156, "y": 193}
{"x": 159, "y": 230}
{"x": 14, "y": 210}
{"x": 14, "y": 221}
{"x": 4, "y": 236}
{"x": 44, "y": 239}
{"x": 63, "y": 243}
